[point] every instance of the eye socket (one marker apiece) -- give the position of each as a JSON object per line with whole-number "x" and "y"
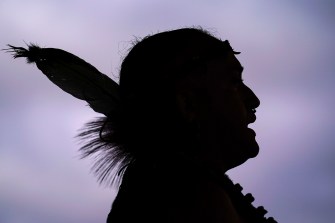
{"x": 237, "y": 78}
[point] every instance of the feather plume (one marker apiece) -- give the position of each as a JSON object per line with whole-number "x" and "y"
{"x": 73, "y": 75}
{"x": 80, "y": 79}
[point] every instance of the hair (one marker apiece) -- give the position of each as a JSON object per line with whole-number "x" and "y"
{"x": 147, "y": 126}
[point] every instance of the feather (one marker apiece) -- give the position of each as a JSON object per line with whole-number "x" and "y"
{"x": 80, "y": 79}
{"x": 73, "y": 75}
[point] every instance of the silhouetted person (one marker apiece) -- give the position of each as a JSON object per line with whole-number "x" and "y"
{"x": 178, "y": 122}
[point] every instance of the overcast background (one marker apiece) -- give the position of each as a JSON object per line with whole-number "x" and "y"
{"x": 288, "y": 54}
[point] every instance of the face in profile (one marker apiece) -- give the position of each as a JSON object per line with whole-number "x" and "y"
{"x": 231, "y": 109}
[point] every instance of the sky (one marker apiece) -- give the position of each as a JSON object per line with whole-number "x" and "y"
{"x": 287, "y": 53}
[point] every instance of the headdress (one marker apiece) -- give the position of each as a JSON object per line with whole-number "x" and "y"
{"x": 83, "y": 81}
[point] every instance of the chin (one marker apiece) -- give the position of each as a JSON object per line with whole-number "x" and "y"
{"x": 247, "y": 151}
{"x": 253, "y": 154}
{"x": 250, "y": 150}
{"x": 250, "y": 144}
{"x": 253, "y": 150}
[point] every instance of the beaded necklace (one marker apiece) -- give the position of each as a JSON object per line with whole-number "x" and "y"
{"x": 242, "y": 203}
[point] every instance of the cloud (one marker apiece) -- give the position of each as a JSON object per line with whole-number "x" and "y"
{"x": 287, "y": 54}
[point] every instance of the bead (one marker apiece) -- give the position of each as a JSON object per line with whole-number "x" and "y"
{"x": 261, "y": 210}
{"x": 249, "y": 197}
{"x": 271, "y": 220}
{"x": 238, "y": 187}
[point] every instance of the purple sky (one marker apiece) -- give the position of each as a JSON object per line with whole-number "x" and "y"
{"x": 288, "y": 54}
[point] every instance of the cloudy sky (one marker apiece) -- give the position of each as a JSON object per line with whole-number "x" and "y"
{"x": 288, "y": 54}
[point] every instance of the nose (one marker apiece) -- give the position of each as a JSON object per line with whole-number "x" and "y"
{"x": 251, "y": 99}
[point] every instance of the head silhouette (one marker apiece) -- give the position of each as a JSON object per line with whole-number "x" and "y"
{"x": 182, "y": 93}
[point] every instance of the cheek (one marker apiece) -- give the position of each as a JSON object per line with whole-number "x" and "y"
{"x": 229, "y": 106}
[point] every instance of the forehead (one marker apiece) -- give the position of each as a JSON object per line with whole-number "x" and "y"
{"x": 230, "y": 61}
{"x": 200, "y": 51}
{"x": 222, "y": 52}
{"x": 228, "y": 65}
{"x": 223, "y": 69}
{"x": 208, "y": 47}
{"x": 222, "y": 61}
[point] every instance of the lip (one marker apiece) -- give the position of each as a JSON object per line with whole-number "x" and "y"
{"x": 251, "y": 131}
{"x": 251, "y": 118}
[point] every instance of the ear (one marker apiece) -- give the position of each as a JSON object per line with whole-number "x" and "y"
{"x": 186, "y": 104}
